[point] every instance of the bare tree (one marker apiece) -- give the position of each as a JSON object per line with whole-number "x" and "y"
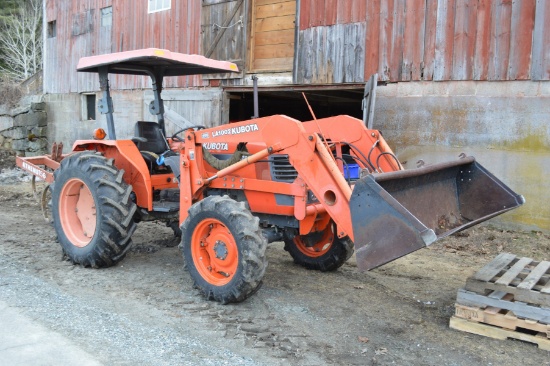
{"x": 21, "y": 41}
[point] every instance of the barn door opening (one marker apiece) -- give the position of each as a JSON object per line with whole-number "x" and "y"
{"x": 273, "y": 24}
{"x": 325, "y": 102}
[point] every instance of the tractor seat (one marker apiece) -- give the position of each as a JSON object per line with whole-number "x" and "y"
{"x": 150, "y": 142}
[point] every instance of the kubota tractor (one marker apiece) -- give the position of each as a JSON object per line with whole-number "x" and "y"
{"x": 325, "y": 187}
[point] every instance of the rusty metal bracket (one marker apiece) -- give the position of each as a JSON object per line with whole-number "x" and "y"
{"x": 45, "y": 198}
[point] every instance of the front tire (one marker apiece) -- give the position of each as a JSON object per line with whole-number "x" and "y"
{"x": 92, "y": 210}
{"x": 322, "y": 251}
{"x": 224, "y": 249}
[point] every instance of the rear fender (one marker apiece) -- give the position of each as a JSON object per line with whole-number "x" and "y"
{"x": 126, "y": 157}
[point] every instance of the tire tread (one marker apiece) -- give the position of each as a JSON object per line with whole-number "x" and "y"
{"x": 113, "y": 232}
{"x": 252, "y": 246}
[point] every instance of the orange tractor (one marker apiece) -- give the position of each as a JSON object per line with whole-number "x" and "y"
{"x": 325, "y": 187}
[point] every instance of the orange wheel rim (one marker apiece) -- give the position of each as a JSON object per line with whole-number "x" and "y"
{"x": 318, "y": 249}
{"x": 214, "y": 252}
{"x": 77, "y": 211}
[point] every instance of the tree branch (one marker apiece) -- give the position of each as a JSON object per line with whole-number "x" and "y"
{"x": 21, "y": 41}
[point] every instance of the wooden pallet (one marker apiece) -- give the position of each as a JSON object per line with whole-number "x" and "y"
{"x": 508, "y": 298}
{"x": 501, "y": 318}
{"x": 527, "y": 280}
{"x": 503, "y": 300}
{"x": 498, "y": 333}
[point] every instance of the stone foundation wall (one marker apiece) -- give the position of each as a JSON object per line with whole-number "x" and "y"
{"x": 24, "y": 128}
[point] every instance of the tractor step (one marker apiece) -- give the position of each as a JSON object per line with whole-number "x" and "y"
{"x": 166, "y": 206}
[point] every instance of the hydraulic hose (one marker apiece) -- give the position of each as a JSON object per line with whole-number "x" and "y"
{"x": 222, "y": 164}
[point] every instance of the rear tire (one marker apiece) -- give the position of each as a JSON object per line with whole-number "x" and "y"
{"x": 224, "y": 249}
{"x": 92, "y": 210}
{"x": 322, "y": 251}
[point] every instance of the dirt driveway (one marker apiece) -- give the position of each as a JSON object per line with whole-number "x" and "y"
{"x": 145, "y": 310}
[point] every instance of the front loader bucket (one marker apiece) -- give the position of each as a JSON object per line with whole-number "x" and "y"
{"x": 396, "y": 213}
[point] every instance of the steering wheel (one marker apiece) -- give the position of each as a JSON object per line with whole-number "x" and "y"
{"x": 175, "y": 136}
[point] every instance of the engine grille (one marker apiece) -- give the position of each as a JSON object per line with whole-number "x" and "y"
{"x": 281, "y": 169}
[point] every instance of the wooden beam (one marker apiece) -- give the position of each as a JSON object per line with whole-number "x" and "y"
{"x": 274, "y": 51}
{"x": 276, "y": 10}
{"x": 273, "y": 64}
{"x": 497, "y": 333}
{"x": 275, "y": 23}
{"x": 520, "y": 309}
{"x": 494, "y": 267}
{"x": 275, "y": 37}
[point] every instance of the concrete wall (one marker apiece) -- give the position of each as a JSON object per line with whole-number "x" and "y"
{"x": 66, "y": 122}
{"x": 199, "y": 107}
{"x": 504, "y": 124}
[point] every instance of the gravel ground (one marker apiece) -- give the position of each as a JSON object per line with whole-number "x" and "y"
{"x": 145, "y": 310}
{"x": 117, "y": 339}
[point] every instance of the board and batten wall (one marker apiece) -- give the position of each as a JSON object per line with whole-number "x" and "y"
{"x": 408, "y": 40}
{"x": 338, "y": 41}
{"x": 83, "y": 28}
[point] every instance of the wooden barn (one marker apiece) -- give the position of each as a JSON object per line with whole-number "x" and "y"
{"x": 454, "y": 75}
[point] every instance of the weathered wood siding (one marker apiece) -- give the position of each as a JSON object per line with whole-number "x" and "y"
{"x": 339, "y": 41}
{"x": 80, "y": 33}
{"x": 424, "y": 40}
{"x": 334, "y": 54}
{"x": 541, "y": 42}
{"x": 272, "y": 36}
{"x": 224, "y": 32}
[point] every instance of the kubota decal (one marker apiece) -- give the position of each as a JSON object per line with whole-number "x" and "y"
{"x": 216, "y": 146}
{"x": 236, "y": 130}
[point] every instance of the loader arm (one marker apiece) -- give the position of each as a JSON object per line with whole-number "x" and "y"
{"x": 366, "y": 145}
{"x": 317, "y": 170}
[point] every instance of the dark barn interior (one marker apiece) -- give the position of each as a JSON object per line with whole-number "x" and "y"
{"x": 291, "y": 102}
